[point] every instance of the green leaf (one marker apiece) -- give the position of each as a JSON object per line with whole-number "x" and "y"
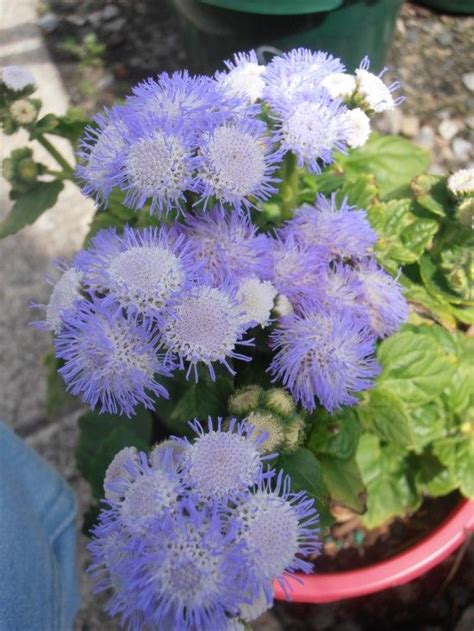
{"x": 102, "y": 436}
{"x": 361, "y": 191}
{"x": 189, "y": 400}
{"x": 334, "y": 435}
{"x": 417, "y": 237}
{"x": 393, "y": 161}
{"x": 431, "y": 477}
{"x": 305, "y": 473}
{"x": 390, "y": 490}
{"x": 431, "y": 194}
{"x": 344, "y": 483}
{"x": 415, "y": 367}
{"x": 434, "y": 283}
{"x": 457, "y": 454}
{"x": 29, "y": 206}
{"x": 385, "y": 414}
{"x": 440, "y": 310}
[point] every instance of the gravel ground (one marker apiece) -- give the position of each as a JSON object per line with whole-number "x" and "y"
{"x": 431, "y": 56}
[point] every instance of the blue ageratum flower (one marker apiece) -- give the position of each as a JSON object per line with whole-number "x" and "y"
{"x": 338, "y": 287}
{"x": 222, "y": 463}
{"x": 67, "y": 290}
{"x": 99, "y": 150}
{"x": 297, "y": 74}
{"x": 312, "y": 129}
{"x": 228, "y": 245}
{"x": 382, "y": 297}
{"x": 324, "y": 355}
{"x": 156, "y": 163}
{"x": 204, "y": 326}
{"x": 298, "y": 268}
{"x": 278, "y": 527}
{"x": 196, "y": 103}
{"x": 244, "y": 76}
{"x": 109, "y": 361}
{"x": 342, "y": 229}
{"x": 237, "y": 161}
{"x": 143, "y": 270}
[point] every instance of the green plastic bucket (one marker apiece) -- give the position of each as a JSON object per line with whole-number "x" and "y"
{"x": 348, "y": 29}
{"x": 450, "y": 6}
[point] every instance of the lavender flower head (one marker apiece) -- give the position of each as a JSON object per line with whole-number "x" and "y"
{"x": 142, "y": 270}
{"x": 108, "y": 360}
{"x": 205, "y": 325}
{"x": 325, "y": 356}
{"x": 228, "y": 245}
{"x": 237, "y": 162}
{"x": 16, "y": 78}
{"x": 343, "y": 229}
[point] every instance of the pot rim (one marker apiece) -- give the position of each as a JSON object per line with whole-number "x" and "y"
{"x": 400, "y": 569}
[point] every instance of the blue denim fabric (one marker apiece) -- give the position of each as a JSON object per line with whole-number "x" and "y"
{"x": 38, "y": 579}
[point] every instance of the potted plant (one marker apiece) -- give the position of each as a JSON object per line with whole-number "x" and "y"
{"x": 256, "y": 201}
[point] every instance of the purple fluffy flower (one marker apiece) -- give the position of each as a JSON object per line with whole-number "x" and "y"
{"x": 195, "y": 102}
{"x": 342, "y": 229}
{"x": 297, "y": 74}
{"x": 99, "y": 150}
{"x": 143, "y": 270}
{"x": 329, "y": 356}
{"x": 204, "y": 326}
{"x": 156, "y": 163}
{"x": 382, "y": 297}
{"x": 313, "y": 129}
{"x": 228, "y": 245}
{"x": 222, "y": 463}
{"x": 108, "y": 360}
{"x": 278, "y": 527}
{"x": 237, "y": 161}
{"x": 298, "y": 268}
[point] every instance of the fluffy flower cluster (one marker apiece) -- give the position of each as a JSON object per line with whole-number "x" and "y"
{"x": 183, "y": 140}
{"x": 194, "y": 534}
{"x": 134, "y": 308}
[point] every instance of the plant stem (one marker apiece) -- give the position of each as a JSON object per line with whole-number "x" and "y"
{"x": 289, "y": 186}
{"x": 51, "y": 149}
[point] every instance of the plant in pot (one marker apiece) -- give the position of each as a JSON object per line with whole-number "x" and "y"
{"x": 270, "y": 316}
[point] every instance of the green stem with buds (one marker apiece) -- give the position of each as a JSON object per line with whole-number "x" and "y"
{"x": 68, "y": 170}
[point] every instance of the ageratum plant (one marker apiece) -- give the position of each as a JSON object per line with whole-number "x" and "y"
{"x": 260, "y": 258}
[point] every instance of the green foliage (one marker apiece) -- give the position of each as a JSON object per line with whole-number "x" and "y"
{"x": 30, "y": 205}
{"x": 101, "y": 436}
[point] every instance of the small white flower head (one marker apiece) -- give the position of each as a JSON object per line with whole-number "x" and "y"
{"x": 244, "y": 76}
{"x": 283, "y": 306}
{"x": 159, "y": 450}
{"x": 222, "y": 464}
{"x": 65, "y": 292}
{"x": 462, "y": 182}
{"x": 359, "y": 128}
{"x": 16, "y": 78}
{"x": 237, "y": 163}
{"x": 117, "y": 470}
{"x": 245, "y": 399}
{"x": 339, "y": 85}
{"x": 376, "y": 95}
{"x": 269, "y": 425}
{"x": 23, "y": 111}
{"x": 204, "y": 326}
{"x": 234, "y": 624}
{"x": 256, "y": 298}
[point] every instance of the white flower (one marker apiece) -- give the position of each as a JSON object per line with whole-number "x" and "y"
{"x": 16, "y": 78}
{"x": 259, "y": 605}
{"x": 359, "y": 124}
{"x": 65, "y": 292}
{"x": 256, "y": 298}
{"x": 374, "y": 91}
{"x": 23, "y": 111}
{"x": 283, "y": 306}
{"x": 245, "y": 79}
{"x": 339, "y": 85}
{"x": 462, "y": 182}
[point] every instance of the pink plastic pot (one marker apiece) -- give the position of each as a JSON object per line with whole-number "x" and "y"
{"x": 402, "y": 568}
